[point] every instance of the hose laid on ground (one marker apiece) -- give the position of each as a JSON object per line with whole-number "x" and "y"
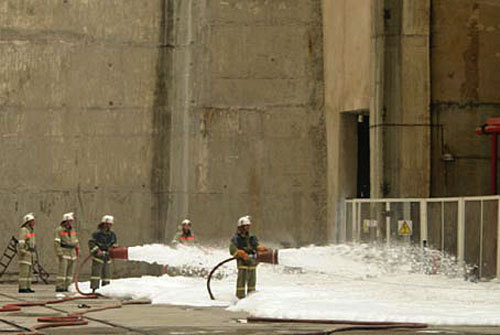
{"x": 349, "y": 325}
{"x": 73, "y": 319}
{"x": 212, "y": 272}
{"x": 17, "y": 306}
{"x": 77, "y": 319}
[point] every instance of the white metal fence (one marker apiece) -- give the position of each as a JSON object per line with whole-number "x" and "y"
{"x": 467, "y": 227}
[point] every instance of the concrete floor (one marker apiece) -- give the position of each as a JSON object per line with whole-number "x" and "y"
{"x": 166, "y": 319}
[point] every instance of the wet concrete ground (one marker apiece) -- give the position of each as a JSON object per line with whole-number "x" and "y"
{"x": 166, "y": 319}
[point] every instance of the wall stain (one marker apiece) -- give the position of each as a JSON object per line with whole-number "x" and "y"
{"x": 469, "y": 88}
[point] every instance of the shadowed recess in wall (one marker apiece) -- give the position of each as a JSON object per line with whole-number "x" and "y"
{"x": 160, "y": 170}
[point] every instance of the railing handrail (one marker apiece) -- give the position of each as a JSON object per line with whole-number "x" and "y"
{"x": 441, "y": 199}
{"x": 357, "y": 204}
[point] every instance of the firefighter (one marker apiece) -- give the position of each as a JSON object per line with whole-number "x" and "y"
{"x": 67, "y": 249}
{"x": 244, "y": 247}
{"x": 26, "y": 249}
{"x": 102, "y": 240}
{"x": 184, "y": 234}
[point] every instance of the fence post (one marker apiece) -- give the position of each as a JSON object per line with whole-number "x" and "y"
{"x": 498, "y": 238}
{"x": 461, "y": 231}
{"x": 354, "y": 220}
{"x": 442, "y": 226}
{"x": 481, "y": 240}
{"x": 388, "y": 222}
{"x": 358, "y": 223}
{"x": 423, "y": 222}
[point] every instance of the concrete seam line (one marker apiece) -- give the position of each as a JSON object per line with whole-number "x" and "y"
{"x": 108, "y": 323}
{"x": 14, "y": 325}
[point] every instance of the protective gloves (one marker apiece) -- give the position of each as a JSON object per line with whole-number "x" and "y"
{"x": 262, "y": 248}
{"x": 242, "y": 254}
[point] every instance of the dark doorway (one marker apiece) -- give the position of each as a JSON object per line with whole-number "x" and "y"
{"x": 363, "y": 157}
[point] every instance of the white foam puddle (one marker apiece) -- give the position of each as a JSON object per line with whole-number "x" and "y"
{"x": 341, "y": 282}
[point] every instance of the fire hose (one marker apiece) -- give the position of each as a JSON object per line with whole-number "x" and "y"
{"x": 75, "y": 279}
{"x": 269, "y": 256}
{"x": 73, "y": 319}
{"x": 212, "y": 272}
{"x": 347, "y": 325}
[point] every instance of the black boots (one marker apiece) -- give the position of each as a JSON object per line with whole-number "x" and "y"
{"x": 60, "y": 290}
{"x": 26, "y": 290}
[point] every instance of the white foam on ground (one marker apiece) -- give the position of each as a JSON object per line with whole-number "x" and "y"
{"x": 341, "y": 282}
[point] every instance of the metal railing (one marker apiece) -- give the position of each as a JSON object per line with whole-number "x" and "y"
{"x": 466, "y": 227}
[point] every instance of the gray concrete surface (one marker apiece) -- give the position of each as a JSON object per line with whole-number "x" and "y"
{"x": 157, "y": 110}
{"x": 346, "y": 50}
{"x": 154, "y": 110}
{"x": 165, "y": 319}
{"x": 465, "y": 86}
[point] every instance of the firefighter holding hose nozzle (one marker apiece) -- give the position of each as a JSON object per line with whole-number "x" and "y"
{"x": 102, "y": 240}
{"x": 67, "y": 249}
{"x": 244, "y": 246}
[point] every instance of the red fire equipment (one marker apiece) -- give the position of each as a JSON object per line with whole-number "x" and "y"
{"x": 492, "y": 127}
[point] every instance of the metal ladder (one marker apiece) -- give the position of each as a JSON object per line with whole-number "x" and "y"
{"x": 11, "y": 251}
{"x": 38, "y": 270}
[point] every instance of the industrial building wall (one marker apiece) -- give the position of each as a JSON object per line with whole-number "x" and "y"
{"x": 77, "y": 83}
{"x": 347, "y": 57}
{"x": 465, "y": 63}
{"x": 156, "y": 110}
{"x": 252, "y": 134}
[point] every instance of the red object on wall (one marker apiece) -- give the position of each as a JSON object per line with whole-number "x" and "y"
{"x": 492, "y": 127}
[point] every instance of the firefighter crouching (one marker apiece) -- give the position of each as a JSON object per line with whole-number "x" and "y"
{"x": 184, "y": 234}
{"x": 244, "y": 247}
{"x": 101, "y": 241}
{"x": 26, "y": 249}
{"x": 67, "y": 249}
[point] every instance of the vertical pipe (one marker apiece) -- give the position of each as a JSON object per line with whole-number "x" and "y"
{"x": 494, "y": 140}
{"x": 388, "y": 223}
{"x": 498, "y": 238}
{"x": 461, "y": 231}
{"x": 423, "y": 221}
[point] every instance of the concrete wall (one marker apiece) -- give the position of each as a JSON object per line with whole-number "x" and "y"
{"x": 77, "y": 84}
{"x": 399, "y": 114}
{"x": 346, "y": 29}
{"x": 465, "y": 60}
{"x": 253, "y": 135}
{"x": 156, "y": 110}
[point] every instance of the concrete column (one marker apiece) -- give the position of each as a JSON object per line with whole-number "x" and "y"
{"x": 183, "y": 14}
{"x": 377, "y": 57}
{"x": 346, "y": 73}
{"x": 400, "y": 98}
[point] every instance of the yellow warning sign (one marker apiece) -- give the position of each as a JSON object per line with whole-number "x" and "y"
{"x": 405, "y": 227}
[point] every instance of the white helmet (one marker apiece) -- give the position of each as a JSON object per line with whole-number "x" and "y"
{"x": 185, "y": 222}
{"x": 108, "y": 219}
{"x": 28, "y": 217}
{"x": 68, "y": 216}
{"x": 244, "y": 220}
